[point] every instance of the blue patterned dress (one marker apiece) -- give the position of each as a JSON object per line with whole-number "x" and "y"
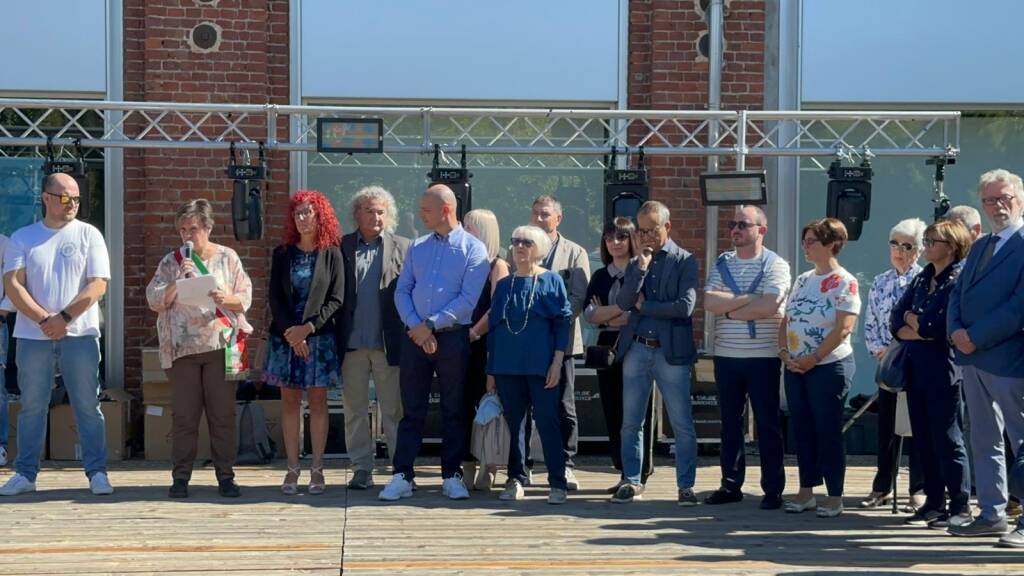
{"x": 284, "y": 368}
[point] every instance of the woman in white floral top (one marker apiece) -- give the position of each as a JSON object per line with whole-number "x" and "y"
{"x": 193, "y": 340}
{"x": 814, "y": 345}
{"x": 905, "y": 245}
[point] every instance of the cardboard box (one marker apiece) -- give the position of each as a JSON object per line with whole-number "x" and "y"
{"x": 151, "y": 370}
{"x": 64, "y": 444}
{"x": 156, "y": 393}
{"x": 13, "y": 407}
{"x": 157, "y": 425}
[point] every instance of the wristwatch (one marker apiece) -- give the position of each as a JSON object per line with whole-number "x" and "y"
{"x": 430, "y": 324}
{"x": 67, "y": 317}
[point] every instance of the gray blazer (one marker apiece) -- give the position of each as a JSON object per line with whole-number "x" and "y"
{"x": 673, "y": 310}
{"x": 394, "y": 248}
{"x": 990, "y": 305}
{"x": 573, "y": 265}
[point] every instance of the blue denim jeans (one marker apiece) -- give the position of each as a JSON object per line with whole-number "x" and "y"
{"x": 79, "y": 359}
{"x": 641, "y": 368}
{"x": 3, "y": 385}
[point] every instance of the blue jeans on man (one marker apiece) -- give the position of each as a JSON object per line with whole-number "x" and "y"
{"x": 642, "y": 367}
{"x": 79, "y": 359}
{"x": 3, "y": 385}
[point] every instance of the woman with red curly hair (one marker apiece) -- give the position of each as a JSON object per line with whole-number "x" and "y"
{"x": 307, "y": 287}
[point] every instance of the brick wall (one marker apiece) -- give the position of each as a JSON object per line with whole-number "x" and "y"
{"x": 666, "y": 72}
{"x": 249, "y": 67}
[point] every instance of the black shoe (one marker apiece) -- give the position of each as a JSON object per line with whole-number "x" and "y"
{"x": 771, "y": 502}
{"x": 628, "y": 493}
{"x": 923, "y": 517}
{"x": 686, "y": 497}
{"x": 723, "y": 496}
{"x": 614, "y": 489}
{"x": 228, "y": 489}
{"x": 179, "y": 489}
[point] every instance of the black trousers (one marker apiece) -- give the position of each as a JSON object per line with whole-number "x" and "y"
{"x": 609, "y": 383}
{"x": 415, "y": 380}
{"x": 888, "y": 446}
{"x": 758, "y": 379}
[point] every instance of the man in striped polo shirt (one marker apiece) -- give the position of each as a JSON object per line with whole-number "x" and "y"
{"x": 746, "y": 290}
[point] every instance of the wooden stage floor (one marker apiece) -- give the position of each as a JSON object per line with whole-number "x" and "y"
{"x": 62, "y": 530}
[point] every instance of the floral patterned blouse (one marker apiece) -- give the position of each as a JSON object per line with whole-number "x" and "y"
{"x": 187, "y": 330}
{"x": 811, "y": 311}
{"x": 885, "y": 292}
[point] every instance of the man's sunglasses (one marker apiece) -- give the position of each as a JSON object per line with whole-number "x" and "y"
{"x": 65, "y": 200}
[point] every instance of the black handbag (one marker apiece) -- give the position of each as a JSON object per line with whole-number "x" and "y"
{"x": 599, "y": 356}
{"x": 892, "y": 368}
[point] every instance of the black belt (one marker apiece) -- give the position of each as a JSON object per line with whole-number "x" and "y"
{"x": 649, "y": 342}
{"x": 454, "y": 328}
{"x": 3, "y": 319}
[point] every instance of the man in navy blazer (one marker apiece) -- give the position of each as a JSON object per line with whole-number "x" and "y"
{"x": 986, "y": 328}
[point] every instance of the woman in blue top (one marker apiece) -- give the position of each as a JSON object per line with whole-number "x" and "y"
{"x": 529, "y": 333}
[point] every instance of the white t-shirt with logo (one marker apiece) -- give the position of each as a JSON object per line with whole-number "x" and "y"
{"x": 811, "y": 311}
{"x": 58, "y": 264}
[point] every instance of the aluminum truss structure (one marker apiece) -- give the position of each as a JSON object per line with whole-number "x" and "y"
{"x": 585, "y": 136}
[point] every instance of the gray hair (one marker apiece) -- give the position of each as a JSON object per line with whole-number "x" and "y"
{"x": 541, "y": 241}
{"x": 376, "y": 193}
{"x": 548, "y": 199}
{"x": 966, "y": 215}
{"x": 199, "y": 208}
{"x": 656, "y": 210}
{"x": 1005, "y": 176}
{"x": 487, "y": 230}
{"x": 913, "y": 227}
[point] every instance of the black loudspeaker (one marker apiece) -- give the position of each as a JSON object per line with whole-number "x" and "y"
{"x": 455, "y": 178}
{"x": 624, "y": 190}
{"x": 849, "y": 196}
{"x": 247, "y": 210}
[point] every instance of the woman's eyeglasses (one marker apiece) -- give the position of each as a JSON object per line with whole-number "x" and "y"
{"x": 523, "y": 242}
{"x": 901, "y": 246}
{"x": 809, "y": 241}
{"x": 929, "y": 242}
{"x": 618, "y": 236}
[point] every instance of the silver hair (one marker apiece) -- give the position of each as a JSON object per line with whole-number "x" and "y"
{"x": 376, "y": 193}
{"x": 547, "y": 199}
{"x": 1005, "y": 176}
{"x": 966, "y": 215}
{"x": 199, "y": 208}
{"x": 656, "y": 210}
{"x": 541, "y": 241}
{"x": 913, "y": 227}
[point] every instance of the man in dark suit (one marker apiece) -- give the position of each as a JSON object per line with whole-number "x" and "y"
{"x": 371, "y": 333}
{"x": 985, "y": 323}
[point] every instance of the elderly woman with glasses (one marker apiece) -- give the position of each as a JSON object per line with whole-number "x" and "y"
{"x": 886, "y": 289}
{"x": 529, "y": 333}
{"x": 815, "y": 349}
{"x": 193, "y": 339}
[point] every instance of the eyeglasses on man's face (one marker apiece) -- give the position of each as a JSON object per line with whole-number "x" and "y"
{"x": 741, "y": 224}
{"x": 648, "y": 232}
{"x": 522, "y": 242}
{"x": 65, "y": 199}
{"x": 901, "y": 246}
{"x": 1002, "y": 200}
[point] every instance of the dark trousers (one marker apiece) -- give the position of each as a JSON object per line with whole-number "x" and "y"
{"x": 567, "y": 416}
{"x": 816, "y": 399}
{"x": 757, "y": 379}
{"x": 888, "y": 448}
{"x": 415, "y": 380}
{"x": 517, "y": 394}
{"x": 609, "y": 383}
{"x": 198, "y": 384}
{"x": 475, "y": 387}
{"x": 936, "y": 416}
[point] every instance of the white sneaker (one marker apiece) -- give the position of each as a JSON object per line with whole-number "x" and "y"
{"x": 513, "y": 490}
{"x": 3, "y": 456}
{"x": 396, "y": 489}
{"x": 571, "y": 483}
{"x": 454, "y": 489}
{"x": 17, "y": 484}
{"x": 100, "y": 484}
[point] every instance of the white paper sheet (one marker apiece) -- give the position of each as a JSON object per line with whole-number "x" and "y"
{"x": 196, "y": 291}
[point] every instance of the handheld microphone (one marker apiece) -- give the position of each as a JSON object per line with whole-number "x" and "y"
{"x": 186, "y": 253}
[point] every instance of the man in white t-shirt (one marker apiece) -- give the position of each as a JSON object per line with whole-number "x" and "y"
{"x": 5, "y": 306}
{"x": 746, "y": 289}
{"x": 55, "y": 272}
